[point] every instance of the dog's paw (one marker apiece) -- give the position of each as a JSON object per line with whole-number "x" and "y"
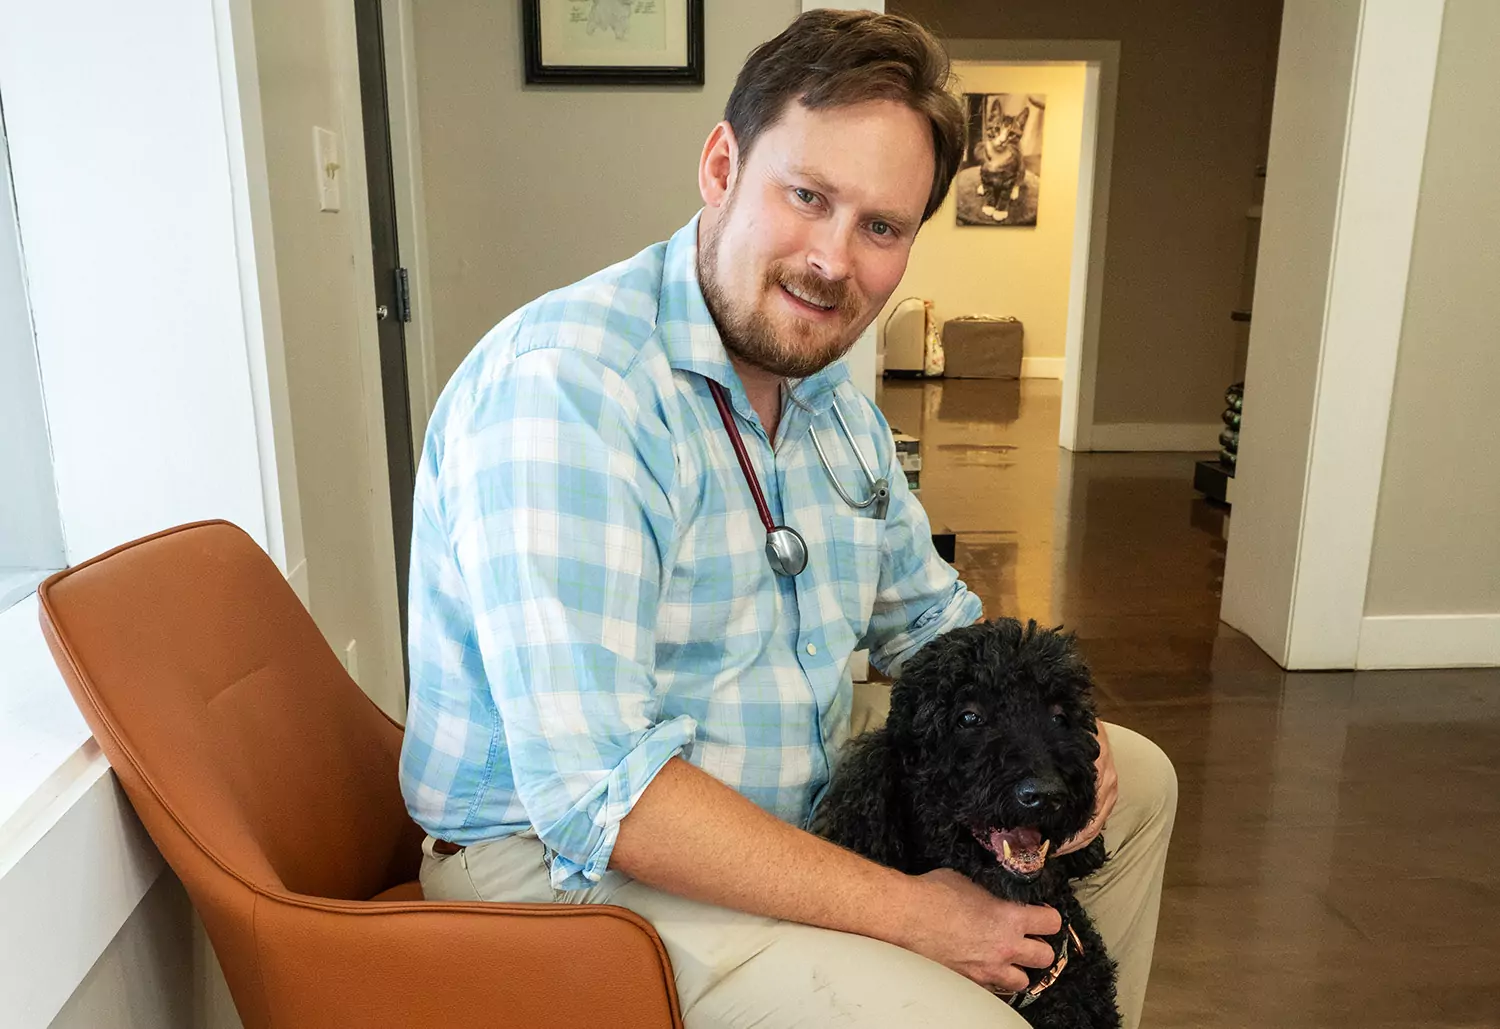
{"x": 987, "y": 211}
{"x": 979, "y": 190}
{"x": 1015, "y": 191}
{"x": 999, "y": 216}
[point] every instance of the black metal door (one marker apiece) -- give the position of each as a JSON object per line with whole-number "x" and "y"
{"x": 393, "y": 307}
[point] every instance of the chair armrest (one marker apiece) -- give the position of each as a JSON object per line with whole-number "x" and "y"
{"x": 325, "y": 963}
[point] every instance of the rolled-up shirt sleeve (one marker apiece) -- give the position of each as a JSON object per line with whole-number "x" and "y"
{"x": 556, "y": 492}
{"x": 919, "y": 596}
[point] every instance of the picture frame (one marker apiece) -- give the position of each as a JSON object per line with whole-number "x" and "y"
{"x": 613, "y": 42}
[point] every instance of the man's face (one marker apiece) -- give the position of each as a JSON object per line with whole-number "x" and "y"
{"x": 812, "y": 234}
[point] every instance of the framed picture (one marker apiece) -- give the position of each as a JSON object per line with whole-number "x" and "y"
{"x": 614, "y": 42}
{"x": 999, "y": 180}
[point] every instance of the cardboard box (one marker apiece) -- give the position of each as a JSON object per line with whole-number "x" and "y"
{"x": 980, "y": 347}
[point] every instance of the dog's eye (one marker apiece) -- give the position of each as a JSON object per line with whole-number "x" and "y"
{"x": 1058, "y": 717}
{"x": 970, "y": 719}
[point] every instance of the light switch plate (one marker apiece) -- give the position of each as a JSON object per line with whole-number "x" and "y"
{"x": 330, "y": 168}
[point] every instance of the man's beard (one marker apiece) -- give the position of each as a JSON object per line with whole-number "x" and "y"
{"x": 750, "y": 335}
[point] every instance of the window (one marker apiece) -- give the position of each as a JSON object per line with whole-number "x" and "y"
{"x": 31, "y": 542}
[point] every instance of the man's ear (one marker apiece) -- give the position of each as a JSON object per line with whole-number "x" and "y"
{"x": 719, "y": 165}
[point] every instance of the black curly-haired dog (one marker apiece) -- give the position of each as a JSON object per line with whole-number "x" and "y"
{"x": 986, "y": 766}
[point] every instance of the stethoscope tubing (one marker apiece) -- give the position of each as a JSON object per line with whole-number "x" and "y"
{"x": 785, "y": 548}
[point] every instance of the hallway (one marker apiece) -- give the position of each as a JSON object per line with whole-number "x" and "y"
{"x": 1334, "y": 857}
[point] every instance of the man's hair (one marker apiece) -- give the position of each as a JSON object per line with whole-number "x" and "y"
{"x": 829, "y": 58}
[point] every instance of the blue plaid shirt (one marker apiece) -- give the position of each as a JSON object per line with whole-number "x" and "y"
{"x": 590, "y": 594}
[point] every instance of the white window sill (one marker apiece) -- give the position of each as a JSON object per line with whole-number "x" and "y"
{"x": 74, "y": 860}
{"x": 16, "y": 583}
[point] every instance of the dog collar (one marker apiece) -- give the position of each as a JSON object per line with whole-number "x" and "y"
{"x": 1051, "y": 975}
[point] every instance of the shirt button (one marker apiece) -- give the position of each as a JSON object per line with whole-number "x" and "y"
{"x": 812, "y": 649}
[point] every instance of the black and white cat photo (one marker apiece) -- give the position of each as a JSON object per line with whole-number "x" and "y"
{"x": 998, "y": 183}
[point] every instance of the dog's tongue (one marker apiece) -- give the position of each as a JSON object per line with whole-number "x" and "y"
{"x": 1020, "y": 839}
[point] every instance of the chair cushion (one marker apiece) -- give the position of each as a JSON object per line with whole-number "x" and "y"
{"x": 405, "y": 891}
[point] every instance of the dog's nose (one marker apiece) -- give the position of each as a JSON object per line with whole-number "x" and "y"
{"x": 1036, "y": 791}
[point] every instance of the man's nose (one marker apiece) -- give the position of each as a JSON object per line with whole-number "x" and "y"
{"x": 830, "y": 255}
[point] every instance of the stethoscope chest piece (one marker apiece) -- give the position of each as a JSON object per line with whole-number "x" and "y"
{"x": 786, "y": 550}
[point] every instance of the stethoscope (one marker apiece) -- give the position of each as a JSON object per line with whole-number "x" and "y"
{"x": 785, "y": 547}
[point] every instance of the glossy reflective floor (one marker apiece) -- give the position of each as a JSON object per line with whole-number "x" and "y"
{"x": 1337, "y": 854}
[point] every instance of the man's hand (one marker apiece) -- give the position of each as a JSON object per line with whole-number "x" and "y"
{"x": 965, "y": 927}
{"x": 1106, "y": 792}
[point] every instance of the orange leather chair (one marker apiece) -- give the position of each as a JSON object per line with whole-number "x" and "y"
{"x": 268, "y": 780}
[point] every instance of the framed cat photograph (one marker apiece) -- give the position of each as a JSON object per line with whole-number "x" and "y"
{"x": 613, "y": 42}
{"x": 999, "y": 180}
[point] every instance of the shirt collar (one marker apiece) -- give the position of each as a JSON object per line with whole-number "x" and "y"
{"x": 692, "y": 341}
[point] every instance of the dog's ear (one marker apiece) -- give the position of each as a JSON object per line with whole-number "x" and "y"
{"x": 862, "y": 810}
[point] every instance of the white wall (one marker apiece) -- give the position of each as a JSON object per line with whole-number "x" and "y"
{"x": 1336, "y": 249}
{"x": 140, "y": 321}
{"x": 138, "y": 982}
{"x": 1314, "y": 77}
{"x": 140, "y": 194}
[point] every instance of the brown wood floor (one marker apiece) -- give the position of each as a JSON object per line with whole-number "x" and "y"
{"x": 1336, "y": 860}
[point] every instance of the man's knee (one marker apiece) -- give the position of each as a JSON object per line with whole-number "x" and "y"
{"x": 1148, "y": 780}
{"x": 1161, "y": 775}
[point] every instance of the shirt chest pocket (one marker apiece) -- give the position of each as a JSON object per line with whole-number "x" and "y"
{"x": 858, "y": 544}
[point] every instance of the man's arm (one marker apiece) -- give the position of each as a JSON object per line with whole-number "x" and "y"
{"x": 919, "y": 595}
{"x": 691, "y": 835}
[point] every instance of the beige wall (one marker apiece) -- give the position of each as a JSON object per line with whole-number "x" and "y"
{"x": 1436, "y": 548}
{"x": 1187, "y": 128}
{"x": 1021, "y": 272}
{"x": 530, "y": 188}
{"x": 320, "y": 258}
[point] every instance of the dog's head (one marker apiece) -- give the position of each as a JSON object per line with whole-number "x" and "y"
{"x": 992, "y": 726}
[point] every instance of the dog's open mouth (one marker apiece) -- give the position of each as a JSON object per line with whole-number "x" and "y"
{"x": 1021, "y": 852}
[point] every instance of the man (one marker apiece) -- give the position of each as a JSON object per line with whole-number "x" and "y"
{"x": 615, "y": 697}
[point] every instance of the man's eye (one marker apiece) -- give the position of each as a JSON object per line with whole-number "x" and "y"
{"x": 970, "y": 719}
{"x": 881, "y": 228}
{"x": 807, "y": 196}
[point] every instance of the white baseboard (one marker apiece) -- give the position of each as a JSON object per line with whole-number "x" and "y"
{"x": 1172, "y": 436}
{"x": 1429, "y": 641}
{"x": 1042, "y": 367}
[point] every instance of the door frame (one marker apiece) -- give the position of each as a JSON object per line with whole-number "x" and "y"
{"x": 1101, "y": 58}
{"x": 411, "y": 217}
{"x": 344, "y": 57}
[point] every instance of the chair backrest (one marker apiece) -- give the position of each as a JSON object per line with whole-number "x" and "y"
{"x": 253, "y": 759}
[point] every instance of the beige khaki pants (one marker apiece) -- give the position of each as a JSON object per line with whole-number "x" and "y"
{"x": 738, "y": 970}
